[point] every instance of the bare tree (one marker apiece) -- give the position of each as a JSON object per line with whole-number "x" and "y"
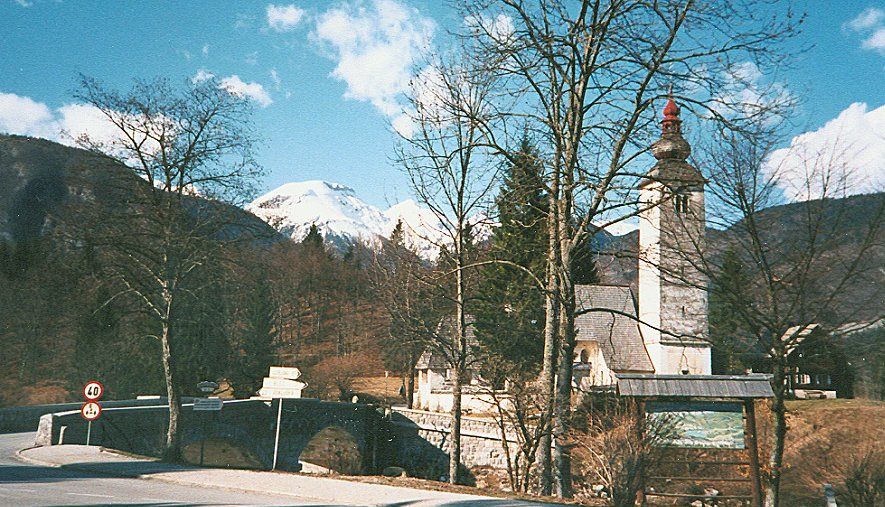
{"x": 581, "y": 76}
{"x": 191, "y": 150}
{"x": 796, "y": 276}
{"x": 451, "y": 175}
{"x": 614, "y": 448}
{"x": 398, "y": 277}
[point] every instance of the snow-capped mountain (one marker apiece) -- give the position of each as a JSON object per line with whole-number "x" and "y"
{"x": 342, "y": 217}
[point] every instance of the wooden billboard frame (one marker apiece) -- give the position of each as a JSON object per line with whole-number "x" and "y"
{"x": 707, "y": 388}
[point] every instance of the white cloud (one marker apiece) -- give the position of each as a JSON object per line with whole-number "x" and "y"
{"x": 205, "y": 49}
{"x": 25, "y": 116}
{"x": 875, "y": 41}
{"x": 850, "y": 147}
{"x": 77, "y": 120}
{"x": 375, "y": 49}
{"x": 404, "y": 125}
{"x": 284, "y": 17}
{"x": 499, "y": 28}
{"x": 745, "y": 92}
{"x": 870, "y": 22}
{"x": 871, "y": 17}
{"x": 252, "y": 90}
{"x": 275, "y": 77}
{"x": 22, "y": 115}
{"x": 236, "y": 86}
{"x": 202, "y": 75}
{"x": 24, "y": 3}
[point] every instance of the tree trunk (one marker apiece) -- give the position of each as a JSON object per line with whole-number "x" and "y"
{"x": 548, "y": 375}
{"x": 410, "y": 380}
{"x": 562, "y": 408}
{"x": 455, "y": 432}
{"x": 172, "y": 452}
{"x": 778, "y": 437}
{"x": 459, "y": 359}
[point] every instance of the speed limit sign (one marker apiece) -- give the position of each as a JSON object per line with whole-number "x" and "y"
{"x": 90, "y": 411}
{"x": 93, "y": 390}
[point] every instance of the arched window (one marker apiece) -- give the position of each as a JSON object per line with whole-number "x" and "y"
{"x": 585, "y": 357}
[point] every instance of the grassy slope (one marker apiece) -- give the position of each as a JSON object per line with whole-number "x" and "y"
{"x": 826, "y": 436}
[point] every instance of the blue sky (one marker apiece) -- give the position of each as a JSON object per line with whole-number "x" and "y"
{"x": 323, "y": 103}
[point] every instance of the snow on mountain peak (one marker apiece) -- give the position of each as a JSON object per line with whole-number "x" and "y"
{"x": 342, "y": 217}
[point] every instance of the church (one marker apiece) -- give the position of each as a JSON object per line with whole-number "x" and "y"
{"x": 661, "y": 328}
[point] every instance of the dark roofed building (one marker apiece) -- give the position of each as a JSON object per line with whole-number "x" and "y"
{"x": 616, "y": 336}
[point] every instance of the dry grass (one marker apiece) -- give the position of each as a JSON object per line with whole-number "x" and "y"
{"x": 825, "y": 438}
{"x": 384, "y": 388}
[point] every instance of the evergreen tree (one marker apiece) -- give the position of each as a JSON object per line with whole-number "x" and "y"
{"x": 313, "y": 240}
{"x": 725, "y": 323}
{"x": 258, "y": 346}
{"x": 509, "y": 307}
{"x": 584, "y": 262}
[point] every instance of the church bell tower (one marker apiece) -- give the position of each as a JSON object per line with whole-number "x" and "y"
{"x": 672, "y": 290}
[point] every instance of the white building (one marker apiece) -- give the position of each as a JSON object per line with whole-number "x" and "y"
{"x": 663, "y": 329}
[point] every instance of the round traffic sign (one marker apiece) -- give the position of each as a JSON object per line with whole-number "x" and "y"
{"x": 93, "y": 390}
{"x": 90, "y": 411}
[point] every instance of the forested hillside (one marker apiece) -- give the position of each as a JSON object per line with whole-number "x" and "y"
{"x": 259, "y": 296}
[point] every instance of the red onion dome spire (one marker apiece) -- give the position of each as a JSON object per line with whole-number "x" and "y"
{"x": 671, "y": 145}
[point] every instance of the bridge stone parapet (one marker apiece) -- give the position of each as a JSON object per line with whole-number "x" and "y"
{"x": 248, "y": 423}
{"x": 416, "y": 440}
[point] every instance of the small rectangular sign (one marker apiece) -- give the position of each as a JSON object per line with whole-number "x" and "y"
{"x": 207, "y": 404}
{"x": 282, "y": 383}
{"x": 266, "y": 392}
{"x": 286, "y": 372}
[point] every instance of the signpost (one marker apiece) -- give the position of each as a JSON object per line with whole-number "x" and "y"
{"x": 211, "y": 404}
{"x": 207, "y": 404}
{"x": 91, "y": 410}
{"x": 282, "y": 383}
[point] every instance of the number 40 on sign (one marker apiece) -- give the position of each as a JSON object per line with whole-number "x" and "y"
{"x": 91, "y": 410}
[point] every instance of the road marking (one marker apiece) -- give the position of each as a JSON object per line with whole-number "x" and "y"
{"x": 92, "y": 494}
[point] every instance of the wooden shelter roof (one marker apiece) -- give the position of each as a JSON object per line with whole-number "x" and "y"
{"x": 695, "y": 386}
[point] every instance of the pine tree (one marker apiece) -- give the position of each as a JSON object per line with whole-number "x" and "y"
{"x": 584, "y": 263}
{"x": 510, "y": 308}
{"x": 725, "y": 323}
{"x": 258, "y": 342}
{"x": 313, "y": 240}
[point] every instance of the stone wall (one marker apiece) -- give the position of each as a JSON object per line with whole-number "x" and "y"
{"x": 415, "y": 440}
{"x": 18, "y": 419}
{"x": 420, "y": 442}
{"x": 249, "y": 423}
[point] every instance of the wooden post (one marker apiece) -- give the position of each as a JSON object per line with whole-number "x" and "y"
{"x": 753, "y": 451}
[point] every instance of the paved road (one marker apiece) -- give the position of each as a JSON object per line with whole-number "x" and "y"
{"x": 24, "y": 484}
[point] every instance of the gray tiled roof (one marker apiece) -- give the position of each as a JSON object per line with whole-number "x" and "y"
{"x": 696, "y": 386}
{"x": 617, "y": 335}
{"x": 434, "y": 357}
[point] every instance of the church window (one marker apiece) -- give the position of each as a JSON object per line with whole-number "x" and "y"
{"x": 585, "y": 357}
{"x": 680, "y": 202}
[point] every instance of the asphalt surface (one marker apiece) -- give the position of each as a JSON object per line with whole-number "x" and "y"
{"x": 24, "y": 484}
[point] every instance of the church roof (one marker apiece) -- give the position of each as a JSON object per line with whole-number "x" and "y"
{"x": 618, "y": 335}
{"x": 435, "y": 356}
